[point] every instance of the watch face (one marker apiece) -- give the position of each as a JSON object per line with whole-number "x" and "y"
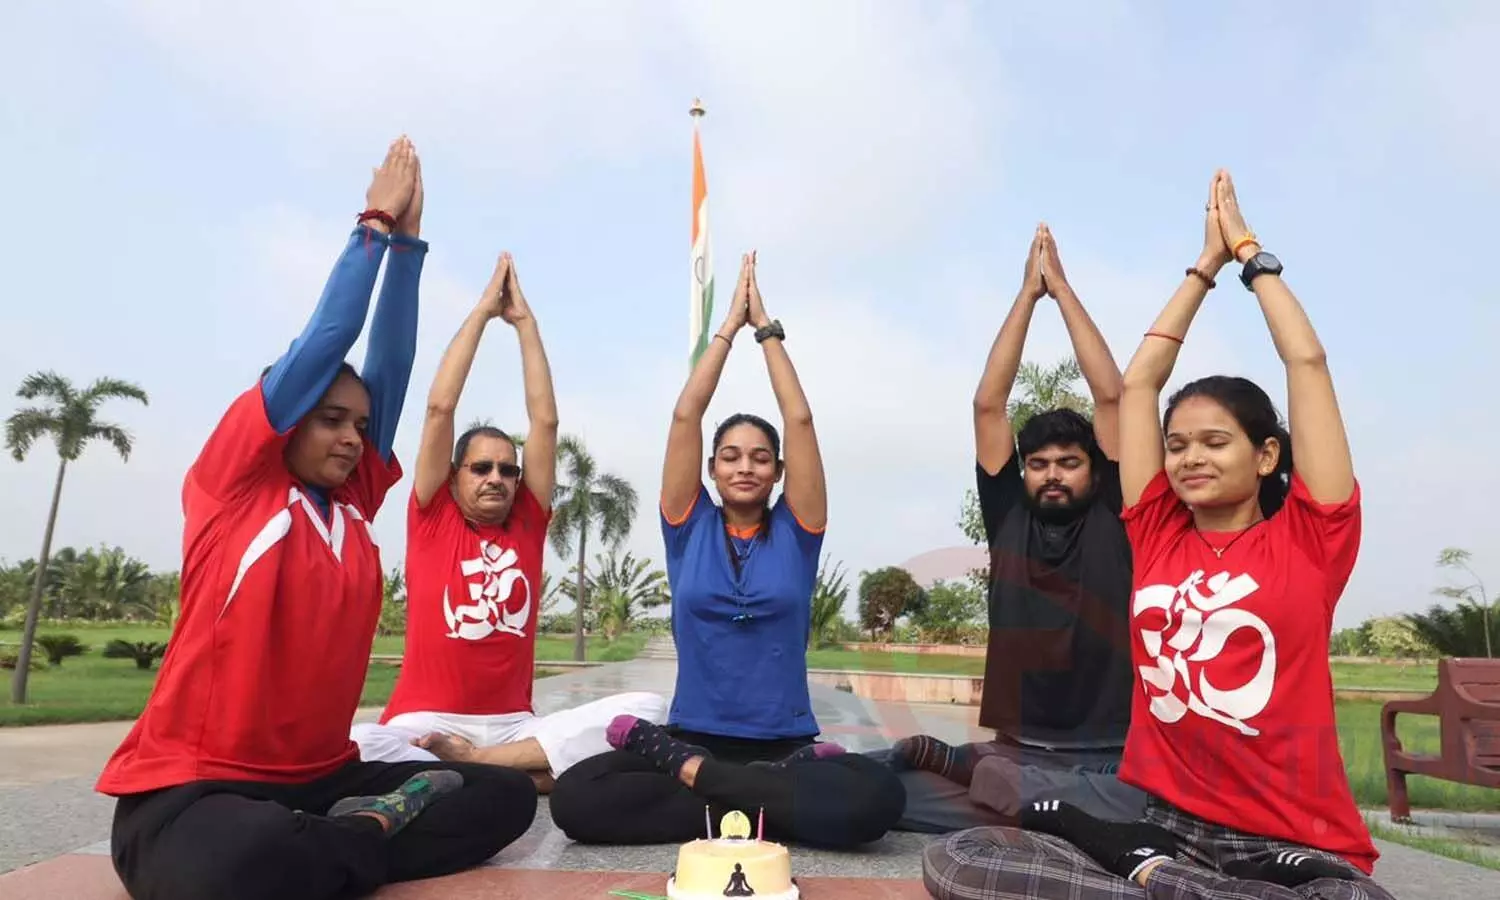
{"x": 1268, "y": 261}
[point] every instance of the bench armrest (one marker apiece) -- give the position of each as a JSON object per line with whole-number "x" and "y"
{"x": 1426, "y": 706}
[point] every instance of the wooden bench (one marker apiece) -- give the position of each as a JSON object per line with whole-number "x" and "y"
{"x": 1467, "y": 705}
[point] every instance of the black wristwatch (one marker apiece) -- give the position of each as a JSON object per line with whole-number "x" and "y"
{"x": 770, "y": 330}
{"x": 1260, "y": 264}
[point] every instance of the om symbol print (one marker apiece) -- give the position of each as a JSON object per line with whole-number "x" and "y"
{"x": 487, "y": 613}
{"x": 1197, "y": 618}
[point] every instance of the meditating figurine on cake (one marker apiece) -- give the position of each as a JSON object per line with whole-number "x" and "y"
{"x": 732, "y": 865}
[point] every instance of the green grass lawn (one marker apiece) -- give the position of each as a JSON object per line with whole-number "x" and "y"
{"x": 90, "y": 688}
{"x": 904, "y": 663}
{"x": 1415, "y": 677}
{"x": 1359, "y": 742}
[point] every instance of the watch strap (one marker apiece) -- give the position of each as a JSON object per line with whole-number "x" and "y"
{"x": 1260, "y": 264}
{"x": 771, "y": 329}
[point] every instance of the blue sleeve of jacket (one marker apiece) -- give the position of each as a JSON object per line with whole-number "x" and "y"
{"x": 393, "y": 341}
{"x": 294, "y": 384}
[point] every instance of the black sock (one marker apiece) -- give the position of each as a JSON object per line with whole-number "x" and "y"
{"x": 651, "y": 741}
{"x": 1287, "y": 868}
{"x": 1123, "y": 848}
{"x": 810, "y": 753}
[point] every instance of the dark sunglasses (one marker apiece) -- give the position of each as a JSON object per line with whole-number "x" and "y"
{"x": 482, "y": 469}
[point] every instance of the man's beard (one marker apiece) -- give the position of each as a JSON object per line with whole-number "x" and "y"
{"x": 1056, "y": 511}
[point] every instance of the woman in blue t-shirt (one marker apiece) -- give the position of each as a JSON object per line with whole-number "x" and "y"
{"x": 741, "y": 733}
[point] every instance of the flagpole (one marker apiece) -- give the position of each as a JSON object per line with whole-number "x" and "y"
{"x": 701, "y": 256}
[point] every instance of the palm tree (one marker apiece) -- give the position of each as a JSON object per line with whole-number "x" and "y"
{"x": 638, "y": 579}
{"x": 1039, "y": 389}
{"x": 622, "y": 588}
{"x": 583, "y": 499}
{"x": 828, "y": 598}
{"x": 71, "y": 422}
{"x": 164, "y": 596}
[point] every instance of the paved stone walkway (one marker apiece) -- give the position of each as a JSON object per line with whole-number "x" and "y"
{"x": 46, "y": 777}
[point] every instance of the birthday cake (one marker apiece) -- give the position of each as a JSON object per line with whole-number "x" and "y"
{"x": 732, "y": 865}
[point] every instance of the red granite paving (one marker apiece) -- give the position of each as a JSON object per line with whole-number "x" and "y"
{"x": 78, "y": 877}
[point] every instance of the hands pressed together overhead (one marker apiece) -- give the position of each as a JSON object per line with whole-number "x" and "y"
{"x": 746, "y": 306}
{"x": 502, "y": 297}
{"x": 394, "y": 198}
{"x": 1226, "y": 238}
{"x": 1044, "y": 275}
{"x": 1225, "y": 234}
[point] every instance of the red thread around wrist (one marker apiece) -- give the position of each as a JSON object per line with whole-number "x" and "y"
{"x": 380, "y": 216}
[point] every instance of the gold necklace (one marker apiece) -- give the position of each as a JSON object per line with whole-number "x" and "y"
{"x": 1219, "y": 553}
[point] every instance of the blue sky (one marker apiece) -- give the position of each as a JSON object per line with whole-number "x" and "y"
{"x": 182, "y": 176}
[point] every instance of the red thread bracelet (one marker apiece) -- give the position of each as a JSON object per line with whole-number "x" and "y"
{"x": 380, "y": 216}
{"x": 1163, "y": 336}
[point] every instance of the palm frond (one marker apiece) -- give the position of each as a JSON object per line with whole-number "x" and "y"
{"x": 615, "y": 501}
{"x": 25, "y": 426}
{"x": 576, "y": 460}
{"x": 115, "y": 435}
{"x": 112, "y": 389}
{"x": 47, "y": 384}
{"x": 1453, "y": 557}
{"x": 566, "y": 519}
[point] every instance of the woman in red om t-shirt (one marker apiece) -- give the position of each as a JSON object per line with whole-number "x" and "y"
{"x": 1240, "y": 556}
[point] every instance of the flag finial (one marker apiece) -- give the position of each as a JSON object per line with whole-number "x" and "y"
{"x": 697, "y": 110}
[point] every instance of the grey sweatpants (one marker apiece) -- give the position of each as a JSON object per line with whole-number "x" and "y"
{"x": 1011, "y": 778}
{"x": 1009, "y": 864}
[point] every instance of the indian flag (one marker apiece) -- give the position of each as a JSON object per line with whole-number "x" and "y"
{"x": 701, "y": 304}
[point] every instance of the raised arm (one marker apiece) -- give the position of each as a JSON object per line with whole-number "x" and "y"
{"x": 994, "y": 442}
{"x": 435, "y": 452}
{"x": 1142, "y": 452}
{"x": 296, "y": 381}
{"x": 681, "y": 477}
{"x": 539, "y": 472}
{"x": 1098, "y": 365}
{"x": 393, "y": 333}
{"x": 805, "y": 488}
{"x": 1320, "y": 445}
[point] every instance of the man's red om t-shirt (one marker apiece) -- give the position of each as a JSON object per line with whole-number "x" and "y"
{"x": 265, "y": 667}
{"x": 1233, "y": 718}
{"x": 473, "y": 593}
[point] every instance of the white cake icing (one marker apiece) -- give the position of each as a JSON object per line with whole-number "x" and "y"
{"x": 706, "y": 870}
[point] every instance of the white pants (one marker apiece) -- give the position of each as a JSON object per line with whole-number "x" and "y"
{"x": 566, "y": 737}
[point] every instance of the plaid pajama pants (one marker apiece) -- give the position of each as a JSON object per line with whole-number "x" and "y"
{"x": 996, "y": 863}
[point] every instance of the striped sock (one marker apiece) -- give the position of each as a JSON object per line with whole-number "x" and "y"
{"x": 956, "y": 764}
{"x": 1288, "y": 868}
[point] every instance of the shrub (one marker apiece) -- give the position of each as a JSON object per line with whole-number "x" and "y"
{"x": 143, "y": 652}
{"x": 58, "y": 647}
{"x": 9, "y": 660}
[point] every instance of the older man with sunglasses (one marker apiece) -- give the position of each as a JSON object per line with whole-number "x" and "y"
{"x": 475, "y": 535}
